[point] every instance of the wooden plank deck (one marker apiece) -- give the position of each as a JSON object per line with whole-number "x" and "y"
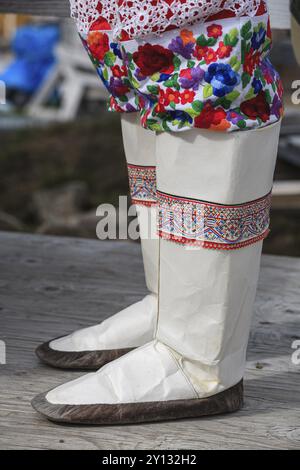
{"x": 50, "y": 286}
{"x": 59, "y": 8}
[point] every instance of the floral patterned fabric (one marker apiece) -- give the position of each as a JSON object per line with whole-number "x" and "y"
{"x": 106, "y": 55}
{"x": 215, "y": 75}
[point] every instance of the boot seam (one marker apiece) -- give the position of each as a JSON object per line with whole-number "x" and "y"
{"x": 175, "y": 361}
{"x": 158, "y": 287}
{"x": 121, "y": 358}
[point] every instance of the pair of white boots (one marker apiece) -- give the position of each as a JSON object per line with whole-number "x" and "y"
{"x": 187, "y": 339}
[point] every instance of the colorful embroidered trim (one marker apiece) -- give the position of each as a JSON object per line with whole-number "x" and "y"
{"x": 142, "y": 183}
{"x": 210, "y": 225}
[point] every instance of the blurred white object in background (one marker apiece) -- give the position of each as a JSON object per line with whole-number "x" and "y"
{"x": 280, "y": 14}
{"x": 73, "y": 75}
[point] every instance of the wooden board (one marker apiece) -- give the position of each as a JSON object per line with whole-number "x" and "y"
{"x": 50, "y": 286}
{"x": 58, "y": 8}
{"x": 280, "y": 14}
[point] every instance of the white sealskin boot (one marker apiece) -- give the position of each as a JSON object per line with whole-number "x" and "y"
{"x": 214, "y": 199}
{"x": 91, "y": 348}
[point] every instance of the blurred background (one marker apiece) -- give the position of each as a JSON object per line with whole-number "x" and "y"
{"x": 61, "y": 152}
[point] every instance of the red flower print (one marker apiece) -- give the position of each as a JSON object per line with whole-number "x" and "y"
{"x": 257, "y": 107}
{"x": 98, "y": 44}
{"x": 214, "y": 31}
{"x": 224, "y": 51}
{"x": 206, "y": 53}
{"x": 251, "y": 61}
{"x": 210, "y": 56}
{"x": 151, "y": 59}
{"x": 118, "y": 71}
{"x": 100, "y": 25}
{"x": 222, "y": 127}
{"x": 185, "y": 73}
{"x": 160, "y": 107}
{"x": 187, "y": 37}
{"x": 200, "y": 52}
{"x": 114, "y": 105}
{"x": 169, "y": 70}
{"x": 144, "y": 118}
{"x": 187, "y": 96}
{"x": 210, "y": 116}
{"x": 171, "y": 96}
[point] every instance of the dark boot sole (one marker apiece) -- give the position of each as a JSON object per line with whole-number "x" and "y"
{"x": 83, "y": 360}
{"x": 131, "y": 413}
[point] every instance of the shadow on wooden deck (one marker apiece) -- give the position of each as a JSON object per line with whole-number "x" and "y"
{"x": 50, "y": 286}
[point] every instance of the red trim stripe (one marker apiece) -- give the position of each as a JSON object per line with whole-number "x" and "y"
{"x": 212, "y": 245}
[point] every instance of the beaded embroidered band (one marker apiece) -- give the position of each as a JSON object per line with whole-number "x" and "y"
{"x": 210, "y": 225}
{"x": 142, "y": 183}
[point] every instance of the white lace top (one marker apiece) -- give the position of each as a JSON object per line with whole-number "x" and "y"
{"x": 139, "y": 18}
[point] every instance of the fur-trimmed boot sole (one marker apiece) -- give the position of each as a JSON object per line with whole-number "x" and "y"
{"x": 227, "y": 401}
{"x": 77, "y": 360}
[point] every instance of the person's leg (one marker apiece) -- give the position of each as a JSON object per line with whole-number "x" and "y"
{"x": 91, "y": 348}
{"x": 139, "y": 146}
{"x": 213, "y": 192}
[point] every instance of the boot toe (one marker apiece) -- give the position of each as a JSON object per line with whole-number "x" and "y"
{"x": 56, "y": 358}
{"x": 145, "y": 385}
{"x": 77, "y": 360}
{"x": 228, "y": 401}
